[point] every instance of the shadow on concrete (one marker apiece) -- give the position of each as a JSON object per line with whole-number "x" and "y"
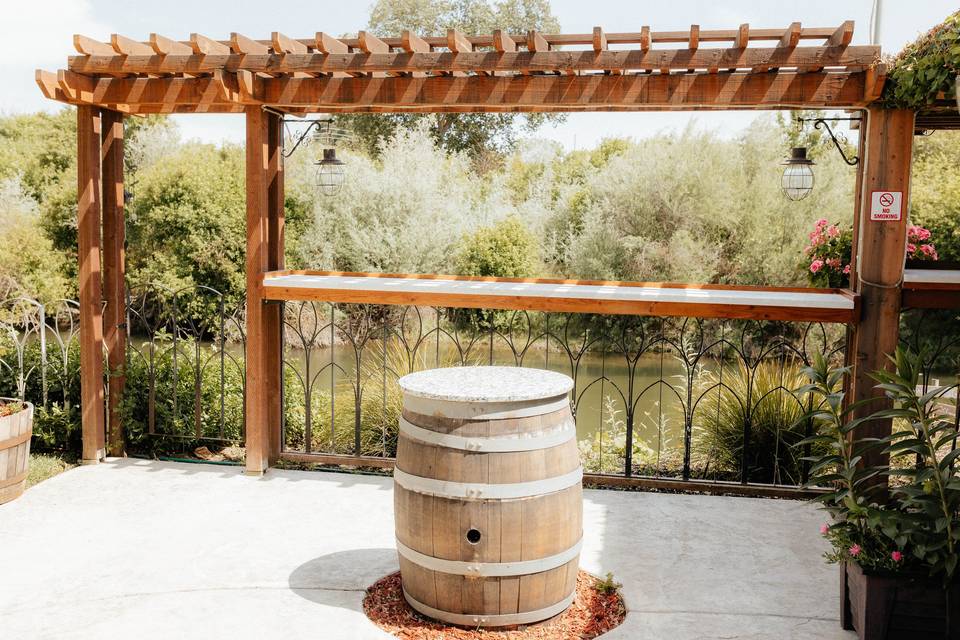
{"x": 345, "y": 478}
{"x": 322, "y": 579}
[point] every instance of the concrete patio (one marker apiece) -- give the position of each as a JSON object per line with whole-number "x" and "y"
{"x": 145, "y": 549}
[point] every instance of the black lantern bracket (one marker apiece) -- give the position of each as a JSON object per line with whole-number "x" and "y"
{"x": 824, "y": 123}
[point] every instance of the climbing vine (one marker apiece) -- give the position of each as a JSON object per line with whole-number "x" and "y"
{"x": 926, "y": 69}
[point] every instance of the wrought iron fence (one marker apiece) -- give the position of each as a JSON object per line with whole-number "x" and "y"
{"x": 39, "y": 363}
{"x": 668, "y": 397}
{"x": 185, "y": 365}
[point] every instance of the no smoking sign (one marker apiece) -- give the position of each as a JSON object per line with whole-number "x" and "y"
{"x": 886, "y": 205}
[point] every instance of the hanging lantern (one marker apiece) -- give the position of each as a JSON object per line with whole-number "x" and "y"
{"x": 797, "y": 179}
{"x": 330, "y": 173}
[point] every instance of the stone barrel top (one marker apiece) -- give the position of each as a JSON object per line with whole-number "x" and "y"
{"x": 486, "y": 384}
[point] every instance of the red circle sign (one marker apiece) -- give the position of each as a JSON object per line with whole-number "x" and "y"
{"x": 886, "y": 199}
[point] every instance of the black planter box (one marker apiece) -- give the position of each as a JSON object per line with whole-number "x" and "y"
{"x": 899, "y": 607}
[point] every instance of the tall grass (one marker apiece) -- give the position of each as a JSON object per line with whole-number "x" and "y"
{"x": 760, "y": 402}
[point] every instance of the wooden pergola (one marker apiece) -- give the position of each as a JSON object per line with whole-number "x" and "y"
{"x": 794, "y": 67}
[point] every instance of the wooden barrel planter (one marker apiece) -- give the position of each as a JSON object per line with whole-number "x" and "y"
{"x": 15, "y": 432}
{"x": 488, "y": 497}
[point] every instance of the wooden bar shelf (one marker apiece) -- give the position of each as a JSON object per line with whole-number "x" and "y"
{"x": 567, "y": 296}
{"x": 931, "y": 288}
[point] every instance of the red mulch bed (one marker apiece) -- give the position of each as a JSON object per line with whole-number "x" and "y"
{"x": 591, "y": 614}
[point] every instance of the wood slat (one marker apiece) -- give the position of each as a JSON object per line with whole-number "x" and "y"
{"x": 536, "y": 42}
{"x": 843, "y": 36}
{"x": 599, "y": 40}
{"x": 165, "y": 46}
{"x": 369, "y": 43}
{"x": 90, "y": 47}
{"x": 128, "y": 47}
{"x": 791, "y": 37}
{"x": 503, "y": 43}
{"x": 413, "y": 44}
{"x": 694, "y": 40}
{"x": 457, "y": 42}
{"x": 328, "y": 44}
{"x": 244, "y": 45}
{"x": 202, "y": 45}
{"x": 284, "y": 45}
{"x": 644, "y": 39}
{"x": 743, "y": 36}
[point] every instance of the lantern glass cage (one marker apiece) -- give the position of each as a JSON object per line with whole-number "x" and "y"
{"x": 330, "y": 173}
{"x": 797, "y": 179}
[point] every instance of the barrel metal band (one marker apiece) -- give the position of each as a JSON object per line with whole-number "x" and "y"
{"x": 530, "y": 441}
{"x": 9, "y": 443}
{"x": 447, "y": 489}
{"x": 490, "y": 569}
{"x": 484, "y": 410}
{"x": 493, "y": 620}
{"x": 17, "y": 479}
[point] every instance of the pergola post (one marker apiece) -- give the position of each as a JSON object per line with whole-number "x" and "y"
{"x": 114, "y": 273}
{"x": 879, "y": 261}
{"x": 264, "y": 252}
{"x": 91, "y": 314}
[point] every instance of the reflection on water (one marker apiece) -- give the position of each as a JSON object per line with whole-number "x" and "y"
{"x": 597, "y": 376}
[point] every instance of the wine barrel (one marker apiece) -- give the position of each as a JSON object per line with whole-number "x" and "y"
{"x": 488, "y": 498}
{"x": 15, "y": 432}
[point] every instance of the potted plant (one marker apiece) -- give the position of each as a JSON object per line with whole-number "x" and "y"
{"x": 899, "y": 546}
{"x": 16, "y": 428}
{"x": 827, "y": 257}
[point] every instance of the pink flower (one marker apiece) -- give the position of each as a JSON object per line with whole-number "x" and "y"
{"x": 816, "y": 265}
{"x": 911, "y": 248}
{"x": 821, "y": 223}
{"x": 855, "y": 550}
{"x": 833, "y": 231}
{"x": 833, "y": 263}
{"x": 846, "y": 270}
{"x": 823, "y": 529}
{"x": 929, "y": 250}
{"x": 897, "y": 556}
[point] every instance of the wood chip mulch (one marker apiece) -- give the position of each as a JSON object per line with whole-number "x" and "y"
{"x": 591, "y": 614}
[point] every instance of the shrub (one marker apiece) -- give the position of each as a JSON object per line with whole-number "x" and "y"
{"x": 760, "y": 400}
{"x": 56, "y": 425}
{"x": 506, "y": 249}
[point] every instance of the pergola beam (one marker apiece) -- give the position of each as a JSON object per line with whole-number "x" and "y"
{"x": 693, "y": 91}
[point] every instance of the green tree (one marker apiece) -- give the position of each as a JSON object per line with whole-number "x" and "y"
{"x": 482, "y": 135}
{"x": 186, "y": 222}
{"x": 506, "y": 249}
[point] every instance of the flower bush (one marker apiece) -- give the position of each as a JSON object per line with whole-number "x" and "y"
{"x": 827, "y": 257}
